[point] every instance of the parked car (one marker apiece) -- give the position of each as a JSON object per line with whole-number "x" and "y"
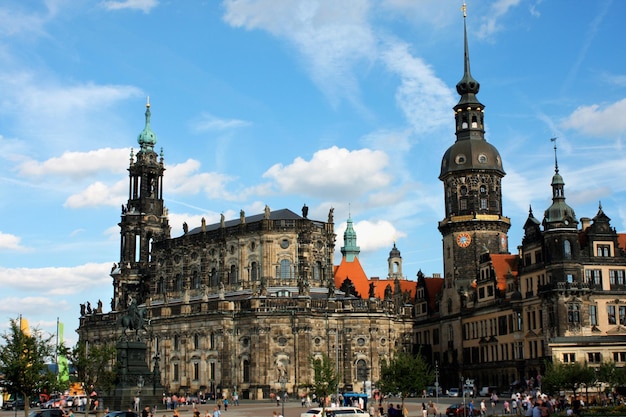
{"x": 486, "y": 391}
{"x": 453, "y": 392}
{"x": 455, "y": 410}
{"x": 430, "y": 391}
{"x": 52, "y": 412}
{"x": 334, "y": 411}
{"x": 120, "y": 414}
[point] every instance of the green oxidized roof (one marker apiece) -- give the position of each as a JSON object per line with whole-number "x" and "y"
{"x": 147, "y": 138}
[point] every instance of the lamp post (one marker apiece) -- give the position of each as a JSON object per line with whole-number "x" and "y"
{"x": 437, "y": 383}
{"x": 140, "y": 383}
{"x": 283, "y": 382}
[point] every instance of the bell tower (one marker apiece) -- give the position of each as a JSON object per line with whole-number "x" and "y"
{"x": 471, "y": 172}
{"x": 144, "y": 220}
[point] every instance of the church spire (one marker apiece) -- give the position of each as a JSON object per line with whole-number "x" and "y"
{"x": 559, "y": 214}
{"x": 350, "y": 250}
{"x": 147, "y": 138}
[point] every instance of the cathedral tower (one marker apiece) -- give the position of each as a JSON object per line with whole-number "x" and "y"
{"x": 471, "y": 172}
{"x": 144, "y": 220}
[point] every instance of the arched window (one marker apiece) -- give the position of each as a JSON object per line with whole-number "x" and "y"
{"x": 212, "y": 341}
{"x": 362, "y": 372}
{"x": 214, "y": 278}
{"x": 195, "y": 280}
{"x": 567, "y": 249}
{"x": 162, "y": 286}
{"x": 233, "y": 274}
{"x": 285, "y": 269}
{"x": 317, "y": 271}
{"x": 178, "y": 283}
{"x": 196, "y": 341}
{"x": 254, "y": 271}
{"x": 573, "y": 314}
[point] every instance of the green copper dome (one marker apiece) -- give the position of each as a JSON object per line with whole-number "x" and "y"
{"x": 147, "y": 138}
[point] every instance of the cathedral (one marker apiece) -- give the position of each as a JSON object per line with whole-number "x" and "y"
{"x": 244, "y": 304}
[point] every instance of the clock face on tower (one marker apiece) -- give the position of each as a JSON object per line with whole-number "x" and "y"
{"x": 463, "y": 239}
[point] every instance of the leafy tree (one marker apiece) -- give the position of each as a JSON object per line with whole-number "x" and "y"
{"x": 570, "y": 377}
{"x": 325, "y": 378}
{"x": 23, "y": 359}
{"x": 93, "y": 364}
{"x": 404, "y": 374}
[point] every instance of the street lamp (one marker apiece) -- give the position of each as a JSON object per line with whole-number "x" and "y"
{"x": 437, "y": 382}
{"x": 140, "y": 382}
{"x": 283, "y": 382}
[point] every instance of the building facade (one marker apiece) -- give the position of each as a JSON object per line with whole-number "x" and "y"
{"x": 244, "y": 304}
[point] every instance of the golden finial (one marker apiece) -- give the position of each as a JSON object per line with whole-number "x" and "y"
{"x": 148, "y": 101}
{"x": 464, "y": 9}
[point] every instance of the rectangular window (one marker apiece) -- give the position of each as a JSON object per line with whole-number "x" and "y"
{"x": 610, "y": 310}
{"x": 483, "y": 204}
{"x": 616, "y": 276}
{"x": 569, "y": 357}
{"x": 593, "y": 315}
{"x": 622, "y": 314}
{"x": 593, "y": 276}
{"x": 604, "y": 251}
{"x": 463, "y": 204}
{"x": 573, "y": 314}
{"x": 196, "y": 371}
{"x": 594, "y": 357}
{"x": 619, "y": 356}
{"x": 175, "y": 372}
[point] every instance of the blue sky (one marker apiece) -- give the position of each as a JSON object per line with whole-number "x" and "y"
{"x": 344, "y": 104}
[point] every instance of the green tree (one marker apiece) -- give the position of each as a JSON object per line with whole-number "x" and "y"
{"x": 325, "y": 378}
{"x": 23, "y": 360}
{"x": 94, "y": 364}
{"x": 404, "y": 374}
{"x": 570, "y": 377}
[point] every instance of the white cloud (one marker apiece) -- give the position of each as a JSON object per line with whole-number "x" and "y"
{"x": 597, "y": 120}
{"x": 207, "y": 122}
{"x": 419, "y": 89}
{"x": 371, "y": 235}
{"x": 333, "y": 173}
{"x": 99, "y": 194}
{"x": 184, "y": 179}
{"x": 78, "y": 164}
{"x": 64, "y": 280}
{"x": 143, "y": 5}
{"x": 331, "y": 36}
{"x": 490, "y": 24}
{"x": 10, "y": 242}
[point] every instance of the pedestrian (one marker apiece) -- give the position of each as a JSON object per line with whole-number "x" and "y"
{"x": 216, "y": 412}
{"x": 483, "y": 408}
{"x": 225, "y": 404}
{"x": 424, "y": 410}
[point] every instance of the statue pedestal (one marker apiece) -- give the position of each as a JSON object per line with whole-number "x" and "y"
{"x": 134, "y": 378}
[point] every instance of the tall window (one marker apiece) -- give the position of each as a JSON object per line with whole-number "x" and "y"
{"x": 567, "y": 249}
{"x": 176, "y": 342}
{"x": 593, "y": 315}
{"x": 254, "y": 271}
{"x": 196, "y": 371}
{"x": 214, "y": 278}
{"x": 362, "y": 373}
{"x": 285, "y": 269}
{"x": 593, "y": 276}
{"x": 233, "y": 274}
{"x": 610, "y": 310}
{"x": 594, "y": 357}
{"x": 195, "y": 280}
{"x": 246, "y": 370}
{"x": 317, "y": 271}
{"x": 569, "y": 357}
{"x": 178, "y": 283}
{"x": 175, "y": 376}
{"x": 162, "y": 287}
{"x": 622, "y": 314}
{"x": 196, "y": 341}
{"x": 616, "y": 276}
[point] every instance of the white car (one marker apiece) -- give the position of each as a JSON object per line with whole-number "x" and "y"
{"x": 453, "y": 392}
{"x": 335, "y": 411}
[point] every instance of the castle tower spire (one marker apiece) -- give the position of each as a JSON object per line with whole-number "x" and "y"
{"x": 472, "y": 172}
{"x": 143, "y": 221}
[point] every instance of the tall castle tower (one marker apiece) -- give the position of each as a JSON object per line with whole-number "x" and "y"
{"x": 144, "y": 220}
{"x": 471, "y": 172}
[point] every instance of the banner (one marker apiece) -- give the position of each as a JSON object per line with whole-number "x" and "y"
{"x": 64, "y": 372}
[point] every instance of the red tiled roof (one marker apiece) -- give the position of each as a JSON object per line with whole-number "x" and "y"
{"x": 621, "y": 239}
{"x": 502, "y": 265}
{"x": 354, "y": 271}
{"x": 433, "y": 288}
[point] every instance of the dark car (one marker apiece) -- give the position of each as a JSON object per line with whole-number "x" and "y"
{"x": 121, "y": 414}
{"x": 455, "y": 410}
{"x": 50, "y": 412}
{"x": 16, "y": 404}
